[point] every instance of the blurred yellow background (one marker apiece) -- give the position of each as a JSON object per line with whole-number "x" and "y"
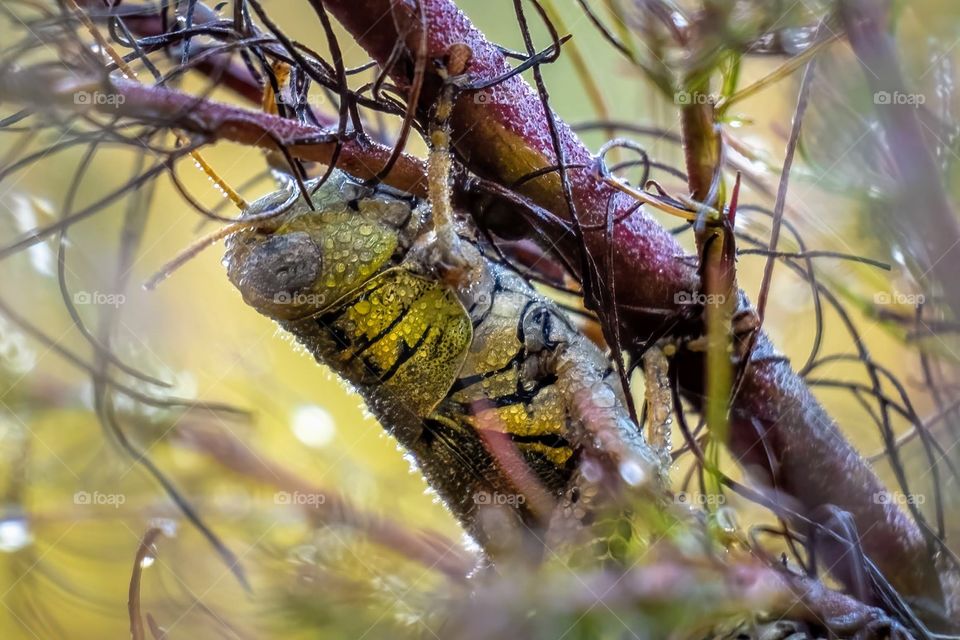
{"x": 65, "y": 563}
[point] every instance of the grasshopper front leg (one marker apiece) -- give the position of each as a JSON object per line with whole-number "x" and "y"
{"x": 445, "y": 246}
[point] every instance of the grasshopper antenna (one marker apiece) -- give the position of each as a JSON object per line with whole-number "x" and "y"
{"x": 258, "y": 220}
{"x": 270, "y": 102}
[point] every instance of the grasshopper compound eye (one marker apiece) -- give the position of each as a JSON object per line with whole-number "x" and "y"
{"x": 279, "y": 272}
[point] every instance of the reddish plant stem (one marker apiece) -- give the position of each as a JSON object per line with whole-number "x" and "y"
{"x": 778, "y": 430}
{"x": 215, "y": 121}
{"x": 225, "y": 69}
{"x": 133, "y": 597}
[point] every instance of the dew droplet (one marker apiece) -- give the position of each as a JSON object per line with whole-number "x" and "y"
{"x": 632, "y": 473}
{"x": 313, "y": 426}
{"x": 167, "y": 525}
{"x": 591, "y": 471}
{"x": 14, "y": 534}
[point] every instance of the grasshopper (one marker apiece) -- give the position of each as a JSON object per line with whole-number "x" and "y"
{"x": 513, "y": 416}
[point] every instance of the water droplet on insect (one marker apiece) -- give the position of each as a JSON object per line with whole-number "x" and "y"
{"x": 632, "y": 473}
{"x": 591, "y": 471}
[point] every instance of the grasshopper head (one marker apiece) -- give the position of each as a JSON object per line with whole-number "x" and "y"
{"x": 304, "y": 259}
